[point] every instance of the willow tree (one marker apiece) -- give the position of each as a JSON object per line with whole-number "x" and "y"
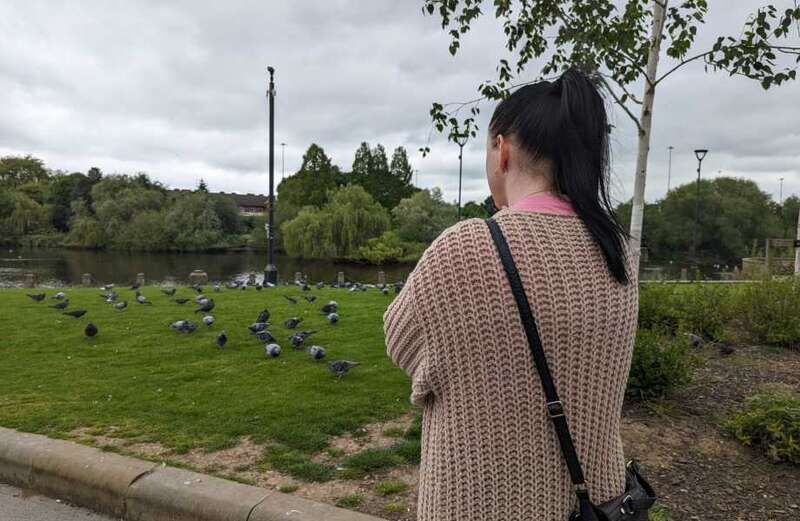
{"x": 619, "y": 44}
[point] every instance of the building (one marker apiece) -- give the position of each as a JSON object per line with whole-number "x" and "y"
{"x": 248, "y": 204}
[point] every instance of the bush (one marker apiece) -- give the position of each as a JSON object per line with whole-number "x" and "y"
{"x": 702, "y": 309}
{"x": 770, "y": 312}
{"x": 656, "y": 311}
{"x": 770, "y": 421}
{"x": 659, "y": 367}
{"x": 389, "y": 248}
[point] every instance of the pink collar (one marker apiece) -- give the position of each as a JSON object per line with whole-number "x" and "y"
{"x": 545, "y": 203}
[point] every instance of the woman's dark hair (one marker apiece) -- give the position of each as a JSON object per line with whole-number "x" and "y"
{"x": 565, "y": 121}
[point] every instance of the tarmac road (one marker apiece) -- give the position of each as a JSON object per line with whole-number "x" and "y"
{"x": 22, "y": 505}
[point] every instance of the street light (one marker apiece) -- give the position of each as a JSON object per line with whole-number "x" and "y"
{"x": 461, "y": 140}
{"x": 669, "y": 168}
{"x": 271, "y": 271}
{"x": 700, "y": 154}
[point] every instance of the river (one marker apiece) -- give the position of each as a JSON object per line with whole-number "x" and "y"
{"x": 56, "y": 267}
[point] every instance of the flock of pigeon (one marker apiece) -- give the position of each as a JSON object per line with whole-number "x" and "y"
{"x": 205, "y": 305}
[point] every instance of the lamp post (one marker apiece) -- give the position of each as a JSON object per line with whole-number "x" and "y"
{"x": 461, "y": 140}
{"x": 283, "y": 149}
{"x": 271, "y": 271}
{"x": 669, "y": 168}
{"x": 699, "y": 154}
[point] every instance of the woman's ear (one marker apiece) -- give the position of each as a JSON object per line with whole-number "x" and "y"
{"x": 503, "y": 152}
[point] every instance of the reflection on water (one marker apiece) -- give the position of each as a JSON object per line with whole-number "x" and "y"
{"x": 64, "y": 266}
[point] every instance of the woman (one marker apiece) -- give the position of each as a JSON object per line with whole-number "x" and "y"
{"x": 489, "y": 449}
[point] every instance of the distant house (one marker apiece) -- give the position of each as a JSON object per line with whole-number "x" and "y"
{"x": 248, "y": 204}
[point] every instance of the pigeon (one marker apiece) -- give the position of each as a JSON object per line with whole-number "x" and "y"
{"x": 59, "y": 296}
{"x": 181, "y": 300}
{"x": 216, "y": 288}
{"x": 111, "y": 297}
{"x": 78, "y": 313}
{"x": 259, "y": 287}
{"x": 232, "y": 284}
{"x": 208, "y": 320}
{"x": 305, "y": 287}
{"x": 291, "y": 323}
{"x": 695, "y": 340}
{"x": 341, "y": 367}
{"x": 272, "y": 350}
{"x": 141, "y": 299}
{"x": 244, "y": 287}
{"x": 198, "y": 288}
{"x": 385, "y": 290}
{"x": 205, "y": 307}
{"x": 61, "y": 305}
{"x": 91, "y": 329}
{"x": 263, "y": 316}
{"x": 121, "y": 305}
{"x": 320, "y": 285}
{"x": 200, "y": 298}
{"x": 310, "y": 298}
{"x": 136, "y": 285}
{"x": 108, "y": 287}
{"x": 725, "y": 349}
{"x": 330, "y": 307}
{"x": 169, "y": 291}
{"x": 291, "y": 299}
{"x": 333, "y": 318}
{"x": 316, "y": 352}
{"x": 398, "y": 286}
{"x": 257, "y": 326}
{"x": 297, "y": 339}
{"x": 265, "y": 336}
{"x": 38, "y": 297}
{"x": 222, "y": 339}
{"x": 184, "y": 326}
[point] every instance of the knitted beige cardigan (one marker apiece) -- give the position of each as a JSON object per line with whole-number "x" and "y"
{"x": 489, "y": 449}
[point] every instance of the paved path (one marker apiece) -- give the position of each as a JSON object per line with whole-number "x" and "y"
{"x": 21, "y": 505}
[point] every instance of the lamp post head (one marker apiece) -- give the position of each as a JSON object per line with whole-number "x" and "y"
{"x": 700, "y": 153}
{"x": 271, "y": 70}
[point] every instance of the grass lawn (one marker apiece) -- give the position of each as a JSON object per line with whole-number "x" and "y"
{"x": 146, "y": 381}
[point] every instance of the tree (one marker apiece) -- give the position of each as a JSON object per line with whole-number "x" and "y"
{"x": 16, "y": 170}
{"x": 788, "y": 215}
{"x": 619, "y": 45}
{"x": 118, "y": 198}
{"x": 310, "y": 185}
{"x": 339, "y": 229}
{"x": 202, "y": 187}
{"x": 387, "y": 183}
{"x": 192, "y": 224}
{"x": 488, "y": 205}
{"x": 61, "y": 191}
{"x": 733, "y": 213}
{"x": 423, "y": 216}
{"x": 474, "y": 210}
{"x": 400, "y": 166}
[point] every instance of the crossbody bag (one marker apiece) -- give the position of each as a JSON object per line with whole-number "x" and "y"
{"x": 638, "y": 498}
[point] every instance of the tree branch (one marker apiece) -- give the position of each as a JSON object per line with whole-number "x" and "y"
{"x": 621, "y": 104}
{"x": 681, "y": 64}
{"x": 621, "y": 86}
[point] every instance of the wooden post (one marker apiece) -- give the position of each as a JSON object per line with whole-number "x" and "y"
{"x": 340, "y": 279}
{"x": 297, "y": 276}
{"x": 29, "y": 281}
{"x": 381, "y": 278}
{"x": 140, "y": 279}
{"x": 86, "y": 279}
{"x": 766, "y": 257}
{"x": 684, "y": 274}
{"x": 198, "y": 277}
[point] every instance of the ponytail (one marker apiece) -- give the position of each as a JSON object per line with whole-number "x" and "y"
{"x": 565, "y": 121}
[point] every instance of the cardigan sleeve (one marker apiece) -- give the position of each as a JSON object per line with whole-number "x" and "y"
{"x": 405, "y": 341}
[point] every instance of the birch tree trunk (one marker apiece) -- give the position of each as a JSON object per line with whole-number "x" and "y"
{"x": 645, "y": 124}
{"x": 797, "y": 250}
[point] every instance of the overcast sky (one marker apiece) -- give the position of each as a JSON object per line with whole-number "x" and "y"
{"x": 177, "y": 89}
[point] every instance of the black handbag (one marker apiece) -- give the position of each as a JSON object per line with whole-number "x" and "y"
{"x": 638, "y": 498}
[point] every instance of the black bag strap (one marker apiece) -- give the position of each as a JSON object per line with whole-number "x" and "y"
{"x": 554, "y": 406}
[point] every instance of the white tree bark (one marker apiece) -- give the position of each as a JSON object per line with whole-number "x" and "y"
{"x": 797, "y": 250}
{"x": 645, "y": 123}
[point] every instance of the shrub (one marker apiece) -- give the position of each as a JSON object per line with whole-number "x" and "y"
{"x": 659, "y": 366}
{"x": 656, "y": 309}
{"x": 770, "y": 311}
{"x": 387, "y": 488}
{"x": 350, "y": 500}
{"x": 704, "y": 309}
{"x": 770, "y": 421}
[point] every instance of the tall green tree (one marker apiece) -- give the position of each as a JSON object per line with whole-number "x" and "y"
{"x": 17, "y": 170}
{"x": 423, "y": 216}
{"x": 310, "y": 185}
{"x": 619, "y": 44}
